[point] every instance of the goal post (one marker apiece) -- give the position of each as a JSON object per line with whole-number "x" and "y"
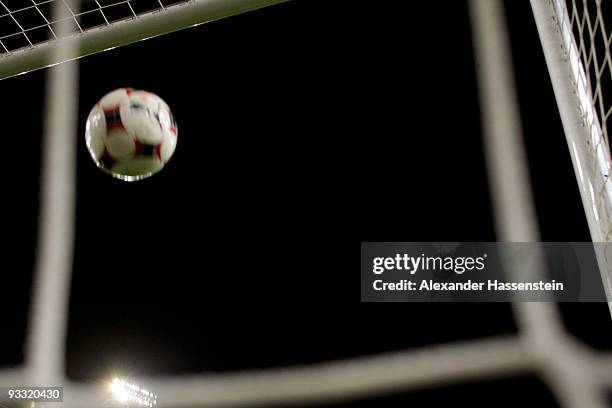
{"x": 570, "y": 32}
{"x": 578, "y": 376}
{"x": 134, "y": 27}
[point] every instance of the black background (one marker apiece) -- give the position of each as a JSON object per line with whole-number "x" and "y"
{"x": 304, "y": 129}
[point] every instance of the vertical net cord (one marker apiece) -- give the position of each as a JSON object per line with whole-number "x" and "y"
{"x": 515, "y": 216}
{"x": 45, "y": 349}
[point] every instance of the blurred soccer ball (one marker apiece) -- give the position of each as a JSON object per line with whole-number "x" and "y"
{"x": 131, "y": 134}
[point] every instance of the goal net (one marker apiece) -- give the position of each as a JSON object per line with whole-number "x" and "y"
{"x": 29, "y": 29}
{"x": 576, "y": 40}
{"x": 30, "y": 23}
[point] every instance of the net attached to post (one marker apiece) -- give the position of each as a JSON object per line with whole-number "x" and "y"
{"x": 576, "y": 36}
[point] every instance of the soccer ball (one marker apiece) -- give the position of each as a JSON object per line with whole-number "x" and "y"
{"x": 131, "y": 134}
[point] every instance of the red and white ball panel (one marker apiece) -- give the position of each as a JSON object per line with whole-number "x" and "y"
{"x": 167, "y": 149}
{"x": 114, "y": 98}
{"x": 131, "y": 134}
{"x": 120, "y": 144}
{"x": 139, "y": 165}
{"x": 95, "y": 133}
{"x": 140, "y": 114}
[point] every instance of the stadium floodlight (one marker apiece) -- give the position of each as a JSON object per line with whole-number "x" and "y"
{"x": 129, "y": 393}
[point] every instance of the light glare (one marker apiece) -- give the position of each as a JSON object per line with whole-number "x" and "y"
{"x": 124, "y": 391}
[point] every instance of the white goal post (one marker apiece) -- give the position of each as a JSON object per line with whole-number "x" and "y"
{"x": 570, "y": 32}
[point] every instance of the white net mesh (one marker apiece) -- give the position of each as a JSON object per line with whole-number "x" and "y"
{"x": 28, "y": 32}
{"x": 26, "y": 23}
{"x": 590, "y": 23}
{"x": 586, "y": 29}
{"x": 578, "y": 376}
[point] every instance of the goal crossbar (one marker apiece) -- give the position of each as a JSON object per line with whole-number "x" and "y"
{"x": 127, "y": 31}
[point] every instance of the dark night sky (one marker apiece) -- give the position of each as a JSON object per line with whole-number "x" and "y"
{"x": 304, "y": 129}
